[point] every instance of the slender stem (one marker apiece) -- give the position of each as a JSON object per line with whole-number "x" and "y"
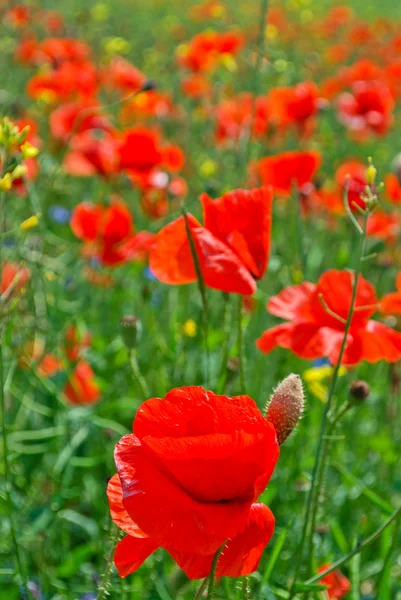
{"x": 102, "y": 591}
{"x": 201, "y": 589}
{"x": 321, "y": 453}
{"x": 212, "y": 574}
{"x": 245, "y": 589}
{"x": 389, "y": 554}
{"x": 202, "y": 290}
{"x": 139, "y": 379}
{"x": 6, "y": 467}
{"x": 260, "y": 49}
{"x": 241, "y": 353}
{"x": 369, "y": 540}
{"x": 221, "y": 382}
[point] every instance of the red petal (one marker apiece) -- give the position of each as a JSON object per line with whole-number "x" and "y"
{"x": 391, "y": 304}
{"x": 171, "y": 259}
{"x": 131, "y": 552}
{"x": 118, "y": 513}
{"x": 293, "y": 302}
{"x": 288, "y": 168}
{"x": 242, "y": 220}
{"x": 241, "y": 555}
{"x": 168, "y": 514}
{"x": 85, "y": 221}
{"x": 380, "y": 342}
{"x": 117, "y": 223}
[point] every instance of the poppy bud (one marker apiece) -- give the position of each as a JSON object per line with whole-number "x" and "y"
{"x": 286, "y": 406}
{"x": 359, "y": 390}
{"x": 131, "y": 328}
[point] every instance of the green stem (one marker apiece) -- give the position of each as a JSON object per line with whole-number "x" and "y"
{"x": 260, "y": 49}
{"x": 388, "y": 557}
{"x": 221, "y": 383}
{"x": 241, "y": 353}
{"x": 202, "y": 290}
{"x": 210, "y": 587}
{"x": 321, "y": 453}
{"x": 201, "y": 589}
{"x": 369, "y": 540}
{"x": 139, "y": 379}
{"x": 6, "y": 467}
{"x": 245, "y": 589}
{"x": 102, "y": 591}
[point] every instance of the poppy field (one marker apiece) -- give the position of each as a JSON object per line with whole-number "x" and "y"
{"x": 200, "y": 300}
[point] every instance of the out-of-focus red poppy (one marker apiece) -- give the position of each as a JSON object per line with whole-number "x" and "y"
{"x": 81, "y": 387}
{"x": 123, "y": 76}
{"x": 368, "y": 108}
{"x": 196, "y": 86}
{"x": 142, "y": 150}
{"x": 391, "y": 303}
{"x": 77, "y": 117}
{"x": 353, "y": 174}
{"x": 392, "y": 189}
{"x": 203, "y": 51}
{"x": 209, "y": 9}
{"x": 75, "y": 342}
{"x": 188, "y": 478}
{"x": 53, "y": 51}
{"x": 287, "y": 170}
{"x": 293, "y": 105}
{"x": 52, "y": 20}
{"x": 335, "y": 18}
{"x": 235, "y": 116}
{"x": 232, "y": 248}
{"x": 17, "y": 16}
{"x": 339, "y": 585}
{"x": 147, "y": 104}
{"x": 70, "y": 80}
{"x": 49, "y": 365}
{"x": 108, "y": 233}
{"x": 385, "y": 226}
{"x": 316, "y": 315}
{"x": 93, "y": 152}
{"x": 14, "y": 278}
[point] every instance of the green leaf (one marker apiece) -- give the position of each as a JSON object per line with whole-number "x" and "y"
{"x": 303, "y": 588}
{"x": 75, "y": 559}
{"x": 275, "y": 554}
{"x": 368, "y": 493}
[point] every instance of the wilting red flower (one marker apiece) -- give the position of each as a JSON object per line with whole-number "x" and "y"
{"x": 235, "y": 117}
{"x": 232, "y": 248}
{"x": 392, "y": 189}
{"x": 77, "y": 117}
{"x": 187, "y": 481}
{"x": 288, "y": 169}
{"x": 293, "y": 105}
{"x": 121, "y": 75}
{"x": 316, "y": 315}
{"x": 353, "y": 174}
{"x": 385, "y": 226}
{"x": 339, "y": 585}
{"x": 108, "y": 232}
{"x": 391, "y": 303}
{"x": 81, "y": 387}
{"x": 367, "y": 108}
{"x": 75, "y": 342}
{"x": 14, "y": 278}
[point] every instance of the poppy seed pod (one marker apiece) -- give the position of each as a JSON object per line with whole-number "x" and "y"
{"x": 359, "y": 390}
{"x": 286, "y": 406}
{"x": 131, "y": 328}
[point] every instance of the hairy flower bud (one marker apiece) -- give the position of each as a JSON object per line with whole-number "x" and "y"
{"x": 286, "y": 406}
{"x": 131, "y": 328}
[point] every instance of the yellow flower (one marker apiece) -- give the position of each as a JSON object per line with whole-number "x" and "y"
{"x": 28, "y": 150}
{"x": 116, "y": 45}
{"x": 189, "y": 328}
{"x": 317, "y": 378}
{"x": 5, "y": 182}
{"x": 100, "y": 12}
{"x": 33, "y": 221}
{"x": 208, "y": 168}
{"x": 271, "y": 32}
{"x": 228, "y": 61}
{"x": 18, "y": 172}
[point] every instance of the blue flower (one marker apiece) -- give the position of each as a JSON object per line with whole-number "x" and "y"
{"x": 59, "y": 214}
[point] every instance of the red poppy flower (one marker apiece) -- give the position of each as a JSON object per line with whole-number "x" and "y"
{"x": 68, "y": 81}
{"x": 235, "y": 116}
{"x": 392, "y": 189}
{"x": 232, "y": 248}
{"x": 367, "y": 108}
{"x": 121, "y": 75}
{"x": 288, "y": 169}
{"x": 108, "y": 232}
{"x": 75, "y": 342}
{"x": 49, "y": 365}
{"x": 204, "y": 50}
{"x": 293, "y": 105}
{"x": 93, "y": 152}
{"x": 54, "y": 51}
{"x": 141, "y": 151}
{"x": 188, "y": 479}
{"x": 316, "y": 315}
{"x": 339, "y": 585}
{"x": 391, "y": 303}
{"x": 81, "y": 387}
{"x": 14, "y": 278}
{"x": 353, "y": 174}
{"x": 195, "y": 86}
{"x": 385, "y": 226}
{"x": 17, "y": 16}
{"x": 149, "y": 103}
{"x": 77, "y": 117}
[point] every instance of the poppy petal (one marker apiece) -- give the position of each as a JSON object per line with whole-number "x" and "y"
{"x": 242, "y": 553}
{"x": 380, "y": 342}
{"x": 131, "y": 552}
{"x": 118, "y": 513}
{"x": 292, "y": 302}
{"x": 85, "y": 221}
